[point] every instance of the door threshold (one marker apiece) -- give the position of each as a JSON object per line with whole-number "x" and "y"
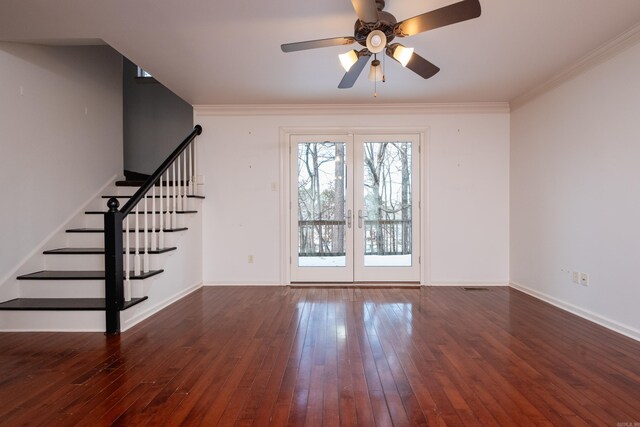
{"x": 356, "y": 285}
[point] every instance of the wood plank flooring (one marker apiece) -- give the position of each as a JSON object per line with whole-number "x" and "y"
{"x": 279, "y": 356}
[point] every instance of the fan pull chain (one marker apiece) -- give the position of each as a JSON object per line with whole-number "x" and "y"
{"x": 375, "y": 80}
{"x": 384, "y": 75}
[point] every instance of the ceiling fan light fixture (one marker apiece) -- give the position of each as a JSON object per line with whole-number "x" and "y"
{"x": 347, "y": 59}
{"x": 375, "y": 73}
{"x": 376, "y": 41}
{"x": 376, "y": 28}
{"x": 402, "y": 54}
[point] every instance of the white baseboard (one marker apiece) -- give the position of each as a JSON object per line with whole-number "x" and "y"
{"x": 466, "y": 284}
{"x": 242, "y": 284}
{"x": 355, "y": 285}
{"x": 585, "y": 314}
{"x": 150, "y": 311}
{"x": 452, "y": 284}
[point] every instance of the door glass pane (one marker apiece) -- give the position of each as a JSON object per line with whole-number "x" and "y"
{"x": 321, "y": 204}
{"x": 387, "y": 204}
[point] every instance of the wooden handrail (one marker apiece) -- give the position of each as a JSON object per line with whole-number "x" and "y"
{"x": 113, "y": 245}
{"x": 155, "y": 177}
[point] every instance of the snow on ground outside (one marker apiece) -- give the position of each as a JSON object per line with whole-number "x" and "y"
{"x": 369, "y": 261}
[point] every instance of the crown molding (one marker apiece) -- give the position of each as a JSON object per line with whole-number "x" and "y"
{"x": 350, "y": 109}
{"x": 595, "y": 57}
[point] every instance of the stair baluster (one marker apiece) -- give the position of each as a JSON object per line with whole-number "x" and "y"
{"x": 145, "y": 264}
{"x": 190, "y": 149}
{"x": 160, "y": 217}
{"x": 136, "y": 258}
{"x": 174, "y": 215}
{"x": 167, "y": 220}
{"x": 154, "y": 241}
{"x": 179, "y": 199}
{"x": 185, "y": 182}
{"x": 127, "y": 261}
{"x": 195, "y": 167}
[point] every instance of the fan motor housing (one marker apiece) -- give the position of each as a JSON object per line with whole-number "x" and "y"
{"x": 386, "y": 24}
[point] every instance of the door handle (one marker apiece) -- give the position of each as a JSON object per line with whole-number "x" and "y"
{"x": 359, "y": 218}
{"x": 349, "y": 218}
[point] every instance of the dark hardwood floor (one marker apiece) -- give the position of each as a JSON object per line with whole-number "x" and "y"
{"x": 258, "y": 356}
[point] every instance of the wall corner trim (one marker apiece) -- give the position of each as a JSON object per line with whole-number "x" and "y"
{"x": 341, "y": 109}
{"x": 597, "y": 56}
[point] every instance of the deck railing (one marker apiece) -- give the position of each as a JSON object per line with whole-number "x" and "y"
{"x": 326, "y": 237}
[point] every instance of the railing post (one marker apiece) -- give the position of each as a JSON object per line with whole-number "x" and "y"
{"x": 114, "y": 290}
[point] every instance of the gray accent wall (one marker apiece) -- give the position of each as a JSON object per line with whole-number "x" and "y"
{"x": 155, "y": 121}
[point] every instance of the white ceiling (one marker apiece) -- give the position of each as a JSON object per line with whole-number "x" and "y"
{"x": 228, "y": 52}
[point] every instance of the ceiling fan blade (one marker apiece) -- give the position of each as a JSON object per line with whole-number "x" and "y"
{"x": 351, "y": 76}
{"x": 314, "y": 44}
{"x": 416, "y": 63}
{"x": 367, "y": 10}
{"x": 422, "y": 67}
{"x": 457, "y": 12}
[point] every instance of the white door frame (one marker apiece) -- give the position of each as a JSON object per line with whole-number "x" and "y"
{"x": 285, "y": 194}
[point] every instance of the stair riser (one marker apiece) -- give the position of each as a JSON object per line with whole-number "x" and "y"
{"x": 189, "y": 203}
{"x": 62, "y": 288}
{"x": 130, "y": 191}
{"x": 74, "y": 262}
{"x": 76, "y": 288}
{"x": 96, "y": 240}
{"x": 52, "y": 321}
{"x": 96, "y": 262}
{"x": 97, "y": 221}
{"x": 85, "y": 240}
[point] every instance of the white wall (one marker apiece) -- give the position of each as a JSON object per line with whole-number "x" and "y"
{"x": 575, "y": 193}
{"x": 182, "y": 271}
{"x": 468, "y": 191}
{"x": 61, "y": 139}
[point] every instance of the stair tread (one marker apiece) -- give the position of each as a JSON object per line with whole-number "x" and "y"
{"x": 62, "y": 303}
{"x": 120, "y": 196}
{"x": 80, "y": 275}
{"x": 140, "y": 212}
{"x": 97, "y": 251}
{"x": 101, "y": 230}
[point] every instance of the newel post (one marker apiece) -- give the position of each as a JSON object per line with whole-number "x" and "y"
{"x": 113, "y": 269}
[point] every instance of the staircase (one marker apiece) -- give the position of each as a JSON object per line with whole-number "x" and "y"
{"x": 85, "y": 285}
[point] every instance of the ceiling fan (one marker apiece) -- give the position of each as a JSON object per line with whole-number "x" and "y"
{"x": 375, "y": 29}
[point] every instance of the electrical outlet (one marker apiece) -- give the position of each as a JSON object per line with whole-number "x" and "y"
{"x": 584, "y": 279}
{"x": 274, "y": 186}
{"x": 250, "y": 259}
{"x": 575, "y": 276}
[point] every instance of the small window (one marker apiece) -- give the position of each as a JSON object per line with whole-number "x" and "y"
{"x": 143, "y": 76}
{"x": 143, "y": 73}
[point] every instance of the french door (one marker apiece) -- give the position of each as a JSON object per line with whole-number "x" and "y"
{"x": 355, "y": 208}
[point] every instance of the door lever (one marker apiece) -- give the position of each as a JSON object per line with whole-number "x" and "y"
{"x": 349, "y": 218}
{"x": 359, "y": 218}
